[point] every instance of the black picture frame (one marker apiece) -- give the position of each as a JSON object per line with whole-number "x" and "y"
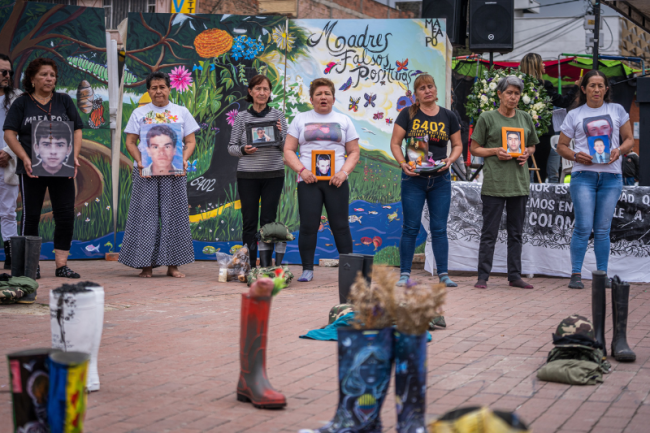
{"x": 251, "y": 131}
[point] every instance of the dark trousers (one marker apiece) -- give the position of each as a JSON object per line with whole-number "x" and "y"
{"x": 311, "y": 198}
{"x": 492, "y": 212}
{"x": 250, "y": 193}
{"x": 62, "y": 195}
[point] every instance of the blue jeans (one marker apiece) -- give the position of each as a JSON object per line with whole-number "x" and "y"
{"x": 629, "y": 181}
{"x": 436, "y": 192}
{"x": 553, "y": 167}
{"x": 594, "y": 197}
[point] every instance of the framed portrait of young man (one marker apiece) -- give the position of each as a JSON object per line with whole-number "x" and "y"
{"x": 599, "y": 149}
{"x": 161, "y": 147}
{"x": 322, "y": 164}
{"x": 263, "y": 134}
{"x": 513, "y": 141}
{"x": 53, "y": 149}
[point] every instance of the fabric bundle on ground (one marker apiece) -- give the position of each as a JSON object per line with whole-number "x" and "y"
{"x": 77, "y": 320}
{"x": 577, "y": 358}
{"x": 15, "y": 288}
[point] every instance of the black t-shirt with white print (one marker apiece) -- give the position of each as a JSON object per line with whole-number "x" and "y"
{"x": 439, "y": 128}
{"x": 25, "y": 111}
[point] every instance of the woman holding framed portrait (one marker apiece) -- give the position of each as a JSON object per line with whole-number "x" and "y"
{"x": 257, "y": 139}
{"x": 596, "y": 179}
{"x": 427, "y": 128}
{"x": 506, "y": 138}
{"x": 158, "y": 227}
{"x": 324, "y": 137}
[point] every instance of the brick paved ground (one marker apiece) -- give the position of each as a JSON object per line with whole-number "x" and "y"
{"x": 169, "y": 355}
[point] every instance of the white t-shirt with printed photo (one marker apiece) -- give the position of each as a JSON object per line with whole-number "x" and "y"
{"x": 585, "y": 122}
{"x": 322, "y": 132}
{"x": 151, "y": 114}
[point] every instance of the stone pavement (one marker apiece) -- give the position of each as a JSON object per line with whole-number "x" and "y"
{"x": 169, "y": 355}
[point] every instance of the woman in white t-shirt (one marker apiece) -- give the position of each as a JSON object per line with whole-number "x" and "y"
{"x": 158, "y": 226}
{"x": 318, "y": 130}
{"x": 595, "y": 187}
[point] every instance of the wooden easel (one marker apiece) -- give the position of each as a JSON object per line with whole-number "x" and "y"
{"x": 535, "y": 169}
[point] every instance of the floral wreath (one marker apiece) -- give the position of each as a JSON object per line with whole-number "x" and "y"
{"x": 534, "y": 99}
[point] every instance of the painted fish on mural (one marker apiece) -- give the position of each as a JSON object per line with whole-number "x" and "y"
{"x": 354, "y": 219}
{"x": 209, "y": 250}
{"x": 392, "y": 217}
{"x": 386, "y": 207}
{"x": 358, "y": 209}
{"x": 373, "y": 212}
{"x": 366, "y": 241}
{"x": 376, "y": 241}
{"x": 92, "y": 248}
{"x": 235, "y": 248}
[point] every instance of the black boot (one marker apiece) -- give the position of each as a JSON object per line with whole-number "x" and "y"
{"x": 7, "y": 255}
{"x": 18, "y": 252}
{"x": 349, "y": 266}
{"x": 620, "y": 300}
{"x": 598, "y": 305}
{"x": 266, "y": 254}
{"x": 367, "y": 267}
{"x": 280, "y": 249}
{"x": 32, "y": 255}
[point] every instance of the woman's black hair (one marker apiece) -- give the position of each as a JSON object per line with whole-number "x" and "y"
{"x": 255, "y": 81}
{"x": 158, "y": 75}
{"x": 32, "y": 69}
{"x": 585, "y": 82}
{"x": 9, "y": 90}
{"x": 46, "y": 128}
{"x": 162, "y": 130}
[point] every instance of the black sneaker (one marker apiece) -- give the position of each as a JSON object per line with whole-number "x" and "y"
{"x": 66, "y": 272}
{"x": 576, "y": 282}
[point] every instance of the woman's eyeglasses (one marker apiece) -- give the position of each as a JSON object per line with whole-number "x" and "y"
{"x": 5, "y": 72}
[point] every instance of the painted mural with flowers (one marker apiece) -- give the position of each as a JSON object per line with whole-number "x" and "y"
{"x": 210, "y": 59}
{"x": 534, "y": 100}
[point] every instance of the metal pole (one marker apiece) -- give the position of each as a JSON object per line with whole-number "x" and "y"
{"x": 491, "y": 59}
{"x": 596, "y": 32}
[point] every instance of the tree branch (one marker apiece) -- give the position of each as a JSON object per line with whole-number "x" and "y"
{"x": 146, "y": 26}
{"x": 72, "y": 17}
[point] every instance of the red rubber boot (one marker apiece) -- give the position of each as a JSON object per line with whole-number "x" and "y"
{"x": 253, "y": 384}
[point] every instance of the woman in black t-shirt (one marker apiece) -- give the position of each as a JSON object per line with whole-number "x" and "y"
{"x": 41, "y": 103}
{"x": 427, "y": 128}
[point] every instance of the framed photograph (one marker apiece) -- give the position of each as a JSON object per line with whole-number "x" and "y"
{"x": 322, "y": 164}
{"x": 263, "y": 134}
{"x": 161, "y": 146}
{"x": 599, "y": 149}
{"x": 53, "y": 149}
{"x": 513, "y": 140}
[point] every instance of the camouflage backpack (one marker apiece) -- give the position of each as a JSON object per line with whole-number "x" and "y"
{"x": 275, "y": 232}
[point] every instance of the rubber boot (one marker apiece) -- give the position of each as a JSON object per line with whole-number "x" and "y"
{"x": 67, "y": 400}
{"x": 18, "y": 256}
{"x": 598, "y": 305}
{"x": 266, "y": 254}
{"x": 29, "y": 384}
{"x": 280, "y": 249}
{"x": 367, "y": 267}
{"x": 410, "y": 382}
{"x": 32, "y": 255}
{"x": 349, "y": 266}
{"x": 92, "y": 384}
{"x": 254, "y": 385}
{"x": 620, "y": 301}
{"x": 7, "y": 245}
{"x": 365, "y": 362}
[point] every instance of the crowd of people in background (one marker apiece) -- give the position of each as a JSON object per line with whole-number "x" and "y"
{"x": 322, "y": 147}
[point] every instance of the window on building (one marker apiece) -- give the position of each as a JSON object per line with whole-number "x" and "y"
{"x": 151, "y": 6}
{"x": 108, "y": 13}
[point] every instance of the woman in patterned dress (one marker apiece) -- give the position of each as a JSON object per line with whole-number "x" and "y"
{"x": 158, "y": 226}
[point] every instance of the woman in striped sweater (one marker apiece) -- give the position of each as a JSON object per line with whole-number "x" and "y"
{"x": 260, "y": 172}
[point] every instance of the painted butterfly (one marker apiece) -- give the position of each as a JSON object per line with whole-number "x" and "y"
{"x": 389, "y": 121}
{"x": 402, "y": 66}
{"x": 192, "y": 166}
{"x": 377, "y": 116}
{"x": 96, "y": 118}
{"x": 346, "y": 85}
{"x": 405, "y": 101}
{"x": 354, "y": 104}
{"x": 416, "y": 72}
{"x": 330, "y": 66}
{"x": 383, "y": 83}
{"x": 370, "y": 99}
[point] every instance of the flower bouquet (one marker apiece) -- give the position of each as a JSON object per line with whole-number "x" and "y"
{"x": 534, "y": 99}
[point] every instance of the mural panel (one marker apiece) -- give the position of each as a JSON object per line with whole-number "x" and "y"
{"x": 75, "y": 38}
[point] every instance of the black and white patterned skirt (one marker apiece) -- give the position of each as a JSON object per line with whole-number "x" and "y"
{"x": 158, "y": 226}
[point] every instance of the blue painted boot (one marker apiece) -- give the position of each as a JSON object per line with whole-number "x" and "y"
{"x": 410, "y": 382}
{"x": 365, "y": 361}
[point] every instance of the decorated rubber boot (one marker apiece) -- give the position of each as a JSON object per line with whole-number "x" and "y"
{"x": 254, "y": 385}
{"x": 67, "y": 401}
{"x": 620, "y": 301}
{"x": 365, "y": 361}
{"x": 410, "y": 382}
{"x": 266, "y": 254}
{"x": 7, "y": 245}
{"x": 76, "y": 321}
{"x": 92, "y": 384}
{"x": 349, "y": 266}
{"x": 18, "y": 256}
{"x": 598, "y": 306}
{"x": 280, "y": 249}
{"x": 29, "y": 379}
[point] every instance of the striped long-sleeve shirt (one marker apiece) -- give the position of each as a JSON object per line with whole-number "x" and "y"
{"x": 266, "y": 162}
